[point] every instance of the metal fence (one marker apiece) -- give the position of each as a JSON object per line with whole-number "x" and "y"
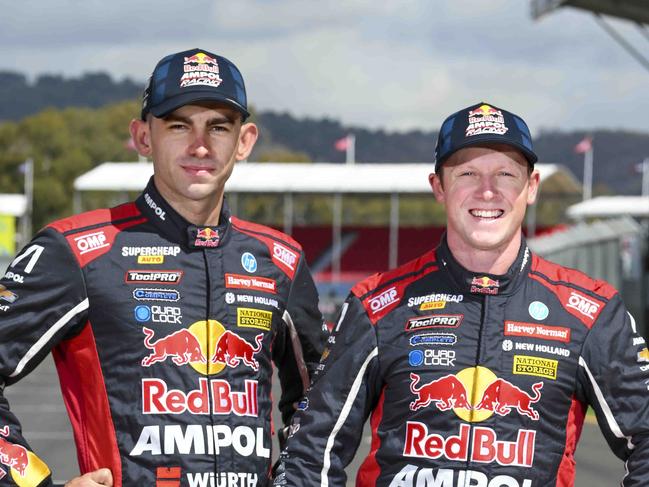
{"x": 613, "y": 250}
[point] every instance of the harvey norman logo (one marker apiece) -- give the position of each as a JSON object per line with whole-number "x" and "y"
{"x": 383, "y": 300}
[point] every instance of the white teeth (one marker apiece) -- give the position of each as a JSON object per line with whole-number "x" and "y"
{"x": 487, "y": 213}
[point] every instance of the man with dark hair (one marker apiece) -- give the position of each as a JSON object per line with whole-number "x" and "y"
{"x": 477, "y": 361}
{"x": 164, "y": 315}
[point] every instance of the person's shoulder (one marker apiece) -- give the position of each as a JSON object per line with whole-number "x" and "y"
{"x": 118, "y": 215}
{"x": 262, "y": 232}
{"x": 382, "y": 292}
{"x": 558, "y": 275}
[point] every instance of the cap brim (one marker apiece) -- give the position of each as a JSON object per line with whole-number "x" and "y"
{"x": 165, "y": 108}
{"x": 489, "y": 139}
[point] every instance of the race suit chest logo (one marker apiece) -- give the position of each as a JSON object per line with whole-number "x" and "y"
{"x": 158, "y": 314}
{"x": 6, "y": 295}
{"x": 586, "y": 306}
{"x": 25, "y": 468}
{"x": 225, "y": 479}
{"x": 207, "y": 237}
{"x": 144, "y": 294}
{"x": 485, "y": 120}
{"x": 153, "y": 277}
{"x": 534, "y": 330}
{"x": 91, "y": 241}
{"x": 159, "y": 212}
{"x": 383, "y": 300}
{"x": 475, "y": 394}
{"x": 254, "y": 318}
{"x": 238, "y": 281}
{"x": 284, "y": 256}
{"x": 484, "y": 285}
{"x": 413, "y": 476}
{"x": 188, "y": 346}
{"x": 433, "y": 321}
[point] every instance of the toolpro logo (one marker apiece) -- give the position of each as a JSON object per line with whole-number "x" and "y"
{"x": 153, "y": 277}
{"x": 433, "y": 321}
{"x": 25, "y": 468}
{"x": 475, "y": 394}
{"x": 188, "y": 346}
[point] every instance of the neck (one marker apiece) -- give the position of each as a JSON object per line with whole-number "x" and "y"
{"x": 490, "y": 261}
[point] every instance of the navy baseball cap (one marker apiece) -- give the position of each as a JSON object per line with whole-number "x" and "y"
{"x": 482, "y": 124}
{"x": 189, "y": 76}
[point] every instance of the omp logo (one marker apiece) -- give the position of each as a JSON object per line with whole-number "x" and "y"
{"x": 284, "y": 255}
{"x": 91, "y": 241}
{"x": 582, "y": 304}
{"x": 383, "y": 300}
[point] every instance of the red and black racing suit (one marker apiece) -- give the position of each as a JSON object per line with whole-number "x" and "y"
{"x": 163, "y": 335}
{"x": 473, "y": 380}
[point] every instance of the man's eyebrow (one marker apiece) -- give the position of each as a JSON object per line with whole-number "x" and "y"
{"x": 174, "y": 117}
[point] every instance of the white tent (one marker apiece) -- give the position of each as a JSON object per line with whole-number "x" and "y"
{"x": 610, "y": 207}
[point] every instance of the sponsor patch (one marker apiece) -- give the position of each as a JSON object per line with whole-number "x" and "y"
{"x": 383, "y": 300}
{"x": 538, "y": 310}
{"x": 254, "y": 318}
{"x": 537, "y": 347}
{"x": 486, "y": 120}
{"x": 249, "y": 299}
{"x": 153, "y": 277}
{"x": 91, "y": 241}
{"x": 434, "y": 300}
{"x": 168, "y": 476}
{"x": 284, "y": 255}
{"x": 151, "y": 251}
{"x": 536, "y": 366}
{"x": 414, "y": 476}
{"x": 144, "y": 294}
{"x": 431, "y": 357}
{"x": 535, "y": 330}
{"x": 643, "y": 355}
{"x": 158, "y": 314}
{"x": 586, "y": 306}
{"x": 484, "y": 285}
{"x": 159, "y": 212}
{"x": 238, "y": 281}
{"x": 12, "y": 276}
{"x": 150, "y": 259}
{"x": 433, "y": 321}
{"x": 207, "y": 237}
{"x": 6, "y": 295}
{"x": 638, "y": 341}
{"x": 433, "y": 339}
{"x": 248, "y": 262}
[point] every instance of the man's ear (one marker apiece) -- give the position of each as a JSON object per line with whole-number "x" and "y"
{"x": 533, "y": 190}
{"x": 247, "y": 138}
{"x": 141, "y": 136}
{"x": 435, "y": 181}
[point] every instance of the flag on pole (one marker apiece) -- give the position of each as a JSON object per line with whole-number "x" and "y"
{"x": 342, "y": 144}
{"x": 584, "y": 146}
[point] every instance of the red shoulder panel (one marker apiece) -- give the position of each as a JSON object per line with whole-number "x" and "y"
{"x": 381, "y": 293}
{"x": 86, "y": 400}
{"x": 97, "y": 230}
{"x": 285, "y": 253}
{"x": 567, "y": 284}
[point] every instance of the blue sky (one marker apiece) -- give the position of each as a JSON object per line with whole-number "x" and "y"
{"x": 382, "y": 64}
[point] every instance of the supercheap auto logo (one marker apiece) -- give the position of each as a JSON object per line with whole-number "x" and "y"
{"x": 188, "y": 346}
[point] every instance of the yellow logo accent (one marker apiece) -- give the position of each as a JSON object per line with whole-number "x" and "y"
{"x": 33, "y": 474}
{"x": 150, "y": 259}
{"x": 536, "y": 366}
{"x": 475, "y": 380}
{"x": 254, "y": 318}
{"x": 643, "y": 355}
{"x": 432, "y": 305}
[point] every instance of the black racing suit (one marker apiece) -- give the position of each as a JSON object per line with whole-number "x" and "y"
{"x": 473, "y": 380}
{"x": 163, "y": 335}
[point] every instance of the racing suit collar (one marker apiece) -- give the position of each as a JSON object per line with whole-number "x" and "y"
{"x": 482, "y": 283}
{"x": 175, "y": 227}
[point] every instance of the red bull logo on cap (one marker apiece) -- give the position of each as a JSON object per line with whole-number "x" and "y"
{"x": 475, "y": 394}
{"x": 200, "y": 69}
{"x": 189, "y": 346}
{"x": 484, "y": 285}
{"x": 200, "y": 58}
{"x": 485, "y": 120}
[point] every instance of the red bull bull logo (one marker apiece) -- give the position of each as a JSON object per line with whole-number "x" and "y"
{"x": 200, "y": 58}
{"x": 232, "y": 349}
{"x": 25, "y": 467}
{"x": 485, "y": 120}
{"x": 188, "y": 346}
{"x": 200, "y": 69}
{"x": 484, "y": 285}
{"x": 475, "y": 394}
{"x": 207, "y": 237}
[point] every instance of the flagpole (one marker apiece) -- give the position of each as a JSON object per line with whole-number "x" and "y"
{"x": 350, "y": 152}
{"x": 587, "y": 188}
{"x": 26, "y": 227}
{"x": 645, "y": 177}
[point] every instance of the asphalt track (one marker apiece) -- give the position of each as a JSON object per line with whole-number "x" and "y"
{"x": 37, "y": 402}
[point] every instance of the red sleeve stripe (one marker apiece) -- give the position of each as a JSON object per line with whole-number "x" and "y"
{"x": 98, "y": 218}
{"x": 566, "y": 473}
{"x": 368, "y": 473}
{"x": 254, "y": 228}
{"x": 556, "y": 274}
{"x": 85, "y": 397}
